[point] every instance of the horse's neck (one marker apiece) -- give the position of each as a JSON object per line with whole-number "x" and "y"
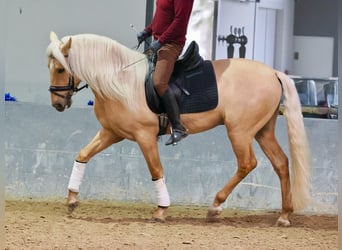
{"x": 110, "y": 69}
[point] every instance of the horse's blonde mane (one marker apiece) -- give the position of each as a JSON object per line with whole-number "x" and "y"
{"x": 110, "y": 69}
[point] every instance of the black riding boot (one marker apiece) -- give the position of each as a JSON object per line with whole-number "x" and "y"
{"x": 171, "y": 106}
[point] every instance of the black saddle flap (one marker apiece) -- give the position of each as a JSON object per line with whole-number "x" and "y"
{"x": 193, "y": 82}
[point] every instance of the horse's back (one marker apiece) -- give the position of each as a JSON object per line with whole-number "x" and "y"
{"x": 244, "y": 70}
{"x": 249, "y": 91}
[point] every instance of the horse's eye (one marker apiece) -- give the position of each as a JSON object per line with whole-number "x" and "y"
{"x": 60, "y": 71}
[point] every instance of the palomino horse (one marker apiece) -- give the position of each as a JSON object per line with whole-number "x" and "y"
{"x": 249, "y": 94}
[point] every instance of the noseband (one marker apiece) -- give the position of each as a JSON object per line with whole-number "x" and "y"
{"x": 71, "y": 86}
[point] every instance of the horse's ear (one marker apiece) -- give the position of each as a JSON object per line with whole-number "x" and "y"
{"x": 66, "y": 46}
{"x": 53, "y": 36}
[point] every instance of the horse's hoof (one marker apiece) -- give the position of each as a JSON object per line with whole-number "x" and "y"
{"x": 212, "y": 219}
{"x": 158, "y": 215}
{"x": 283, "y": 223}
{"x": 72, "y": 206}
{"x": 157, "y": 220}
{"x": 213, "y": 213}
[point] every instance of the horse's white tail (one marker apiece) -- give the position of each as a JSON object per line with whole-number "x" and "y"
{"x": 298, "y": 144}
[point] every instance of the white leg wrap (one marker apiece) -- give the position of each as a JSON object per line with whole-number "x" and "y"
{"x": 76, "y": 176}
{"x": 162, "y": 194}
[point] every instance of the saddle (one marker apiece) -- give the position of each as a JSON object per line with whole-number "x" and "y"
{"x": 193, "y": 81}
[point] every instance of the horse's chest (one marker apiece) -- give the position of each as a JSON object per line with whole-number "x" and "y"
{"x": 120, "y": 122}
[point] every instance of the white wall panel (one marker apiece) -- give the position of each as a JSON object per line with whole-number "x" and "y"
{"x": 264, "y": 23}
{"x": 313, "y": 56}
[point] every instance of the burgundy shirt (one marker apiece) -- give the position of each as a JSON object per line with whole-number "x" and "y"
{"x": 170, "y": 21}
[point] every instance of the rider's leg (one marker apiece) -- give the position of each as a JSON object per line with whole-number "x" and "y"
{"x": 171, "y": 106}
{"x": 167, "y": 56}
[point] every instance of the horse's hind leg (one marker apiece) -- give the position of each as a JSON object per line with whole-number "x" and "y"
{"x": 102, "y": 140}
{"x": 267, "y": 141}
{"x": 242, "y": 146}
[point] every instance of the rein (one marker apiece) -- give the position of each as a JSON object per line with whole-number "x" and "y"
{"x": 151, "y": 57}
{"x": 133, "y": 63}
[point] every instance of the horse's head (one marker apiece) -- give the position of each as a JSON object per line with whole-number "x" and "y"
{"x": 63, "y": 83}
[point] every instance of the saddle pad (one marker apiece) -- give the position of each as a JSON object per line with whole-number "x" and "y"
{"x": 202, "y": 87}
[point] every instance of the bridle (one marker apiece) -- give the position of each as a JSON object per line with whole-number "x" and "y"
{"x": 70, "y": 87}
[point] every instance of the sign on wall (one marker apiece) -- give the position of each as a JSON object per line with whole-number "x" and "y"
{"x": 235, "y": 29}
{"x": 247, "y": 29}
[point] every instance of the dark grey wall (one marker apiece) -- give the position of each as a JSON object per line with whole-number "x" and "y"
{"x": 149, "y": 17}
{"x": 317, "y": 18}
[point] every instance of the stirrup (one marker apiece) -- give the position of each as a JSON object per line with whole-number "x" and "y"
{"x": 176, "y": 136}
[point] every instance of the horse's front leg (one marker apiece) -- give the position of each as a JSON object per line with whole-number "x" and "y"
{"x": 149, "y": 148}
{"x": 101, "y": 141}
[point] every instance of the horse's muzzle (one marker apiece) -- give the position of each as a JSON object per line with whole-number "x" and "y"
{"x": 59, "y": 107}
{"x": 62, "y": 104}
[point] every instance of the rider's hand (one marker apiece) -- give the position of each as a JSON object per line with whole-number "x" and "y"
{"x": 141, "y": 36}
{"x": 155, "y": 46}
